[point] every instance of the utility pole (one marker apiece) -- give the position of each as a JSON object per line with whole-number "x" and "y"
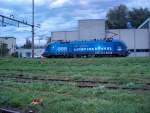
{"x": 149, "y": 34}
{"x": 32, "y": 28}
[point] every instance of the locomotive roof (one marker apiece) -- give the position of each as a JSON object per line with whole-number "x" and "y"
{"x": 81, "y": 41}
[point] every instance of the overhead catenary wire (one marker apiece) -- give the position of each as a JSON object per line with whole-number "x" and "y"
{"x": 3, "y": 18}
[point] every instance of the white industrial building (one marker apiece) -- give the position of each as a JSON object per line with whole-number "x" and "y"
{"x": 27, "y": 53}
{"x": 11, "y": 43}
{"x": 137, "y": 40}
{"x": 91, "y": 29}
{"x": 87, "y": 30}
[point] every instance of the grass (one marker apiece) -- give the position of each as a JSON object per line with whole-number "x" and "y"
{"x": 70, "y": 99}
{"x": 119, "y": 69}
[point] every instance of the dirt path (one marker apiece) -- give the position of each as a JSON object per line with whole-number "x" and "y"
{"x": 79, "y": 83}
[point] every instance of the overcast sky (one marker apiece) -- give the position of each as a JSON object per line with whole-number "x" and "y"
{"x": 55, "y": 15}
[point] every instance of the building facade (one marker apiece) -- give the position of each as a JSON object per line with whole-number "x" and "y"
{"x": 137, "y": 40}
{"x": 87, "y": 30}
{"x": 91, "y": 29}
{"x": 11, "y": 43}
{"x": 27, "y": 53}
{"x": 64, "y": 35}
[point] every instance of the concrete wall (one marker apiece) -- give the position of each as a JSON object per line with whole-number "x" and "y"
{"x": 134, "y": 39}
{"x": 141, "y": 39}
{"x": 64, "y": 35}
{"x": 91, "y": 29}
{"x": 139, "y": 54}
{"x": 11, "y": 42}
{"x": 58, "y": 35}
{"x": 72, "y": 35}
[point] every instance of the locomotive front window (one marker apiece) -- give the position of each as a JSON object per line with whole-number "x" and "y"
{"x": 49, "y": 46}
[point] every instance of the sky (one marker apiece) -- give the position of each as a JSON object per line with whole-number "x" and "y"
{"x": 56, "y": 15}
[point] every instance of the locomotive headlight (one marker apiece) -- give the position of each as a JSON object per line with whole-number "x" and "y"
{"x": 119, "y": 48}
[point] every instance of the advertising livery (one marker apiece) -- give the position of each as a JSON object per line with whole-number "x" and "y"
{"x": 94, "y": 48}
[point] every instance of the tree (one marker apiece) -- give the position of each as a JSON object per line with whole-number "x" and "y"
{"x": 27, "y": 45}
{"x": 138, "y": 16}
{"x": 4, "y": 49}
{"x": 120, "y": 16}
{"x": 117, "y": 17}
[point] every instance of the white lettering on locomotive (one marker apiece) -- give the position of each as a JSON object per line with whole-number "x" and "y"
{"x": 91, "y": 49}
{"x": 62, "y": 49}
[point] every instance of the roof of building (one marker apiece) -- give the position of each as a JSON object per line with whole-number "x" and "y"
{"x": 145, "y": 24}
{"x": 7, "y": 37}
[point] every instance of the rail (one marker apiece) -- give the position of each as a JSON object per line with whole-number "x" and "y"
{"x": 2, "y": 110}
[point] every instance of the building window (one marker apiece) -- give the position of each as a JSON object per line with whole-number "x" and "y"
{"x": 139, "y": 50}
{"x": 28, "y": 54}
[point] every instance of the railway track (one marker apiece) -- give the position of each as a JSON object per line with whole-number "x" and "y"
{"x": 5, "y": 110}
{"x": 78, "y": 83}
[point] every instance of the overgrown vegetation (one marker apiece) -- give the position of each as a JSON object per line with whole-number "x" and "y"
{"x": 27, "y": 45}
{"x": 118, "y": 69}
{"x": 58, "y": 98}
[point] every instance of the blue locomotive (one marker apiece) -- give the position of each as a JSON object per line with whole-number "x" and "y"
{"x": 94, "y": 48}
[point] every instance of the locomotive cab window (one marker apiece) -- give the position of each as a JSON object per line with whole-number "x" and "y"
{"x": 49, "y": 46}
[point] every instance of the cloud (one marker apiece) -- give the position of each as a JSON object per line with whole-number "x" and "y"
{"x": 89, "y": 14}
{"x": 50, "y": 3}
{"x": 56, "y": 23}
{"x": 5, "y": 11}
{"x": 24, "y": 2}
{"x": 138, "y": 3}
{"x": 59, "y": 3}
